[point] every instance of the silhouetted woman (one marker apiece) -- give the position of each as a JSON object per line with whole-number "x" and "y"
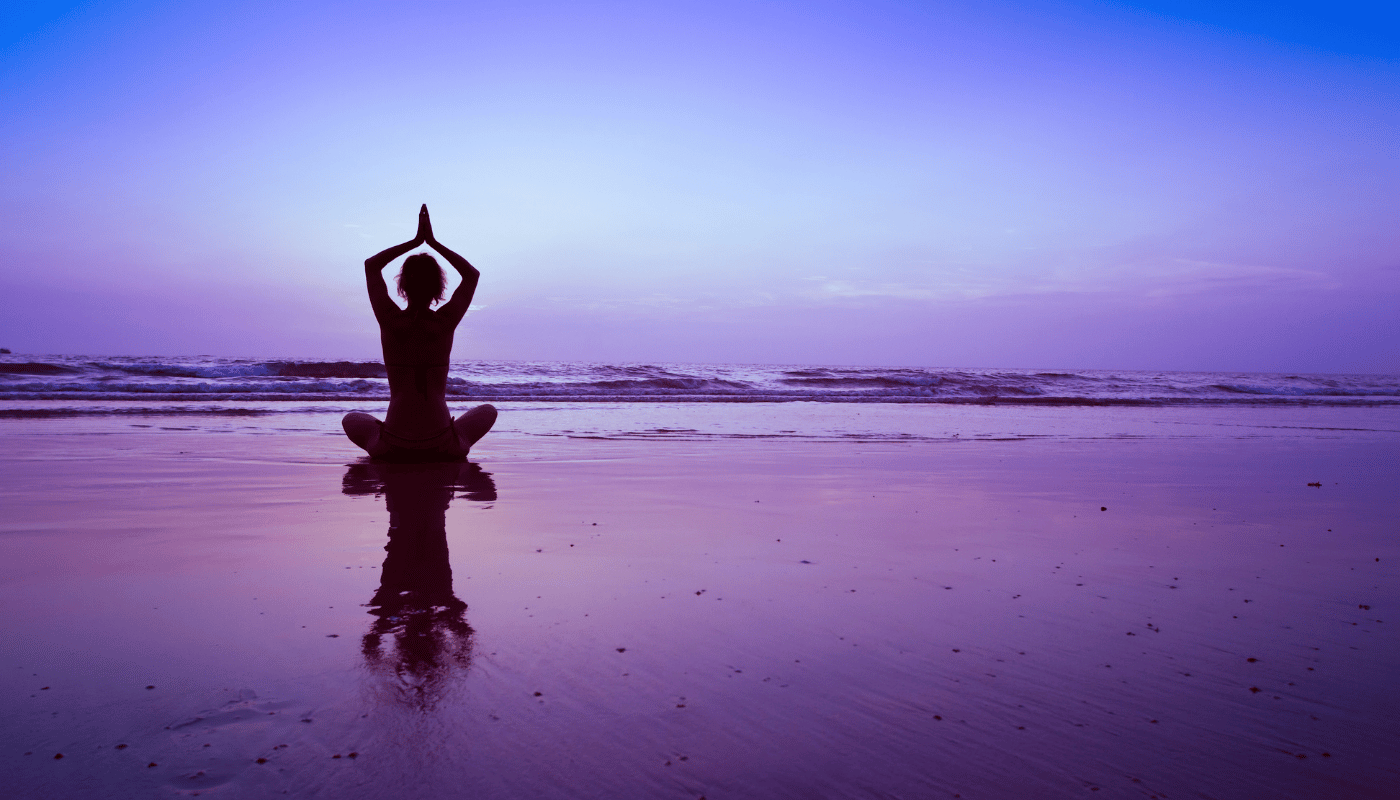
{"x": 417, "y": 346}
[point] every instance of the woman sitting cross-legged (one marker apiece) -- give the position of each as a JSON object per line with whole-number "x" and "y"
{"x": 417, "y": 346}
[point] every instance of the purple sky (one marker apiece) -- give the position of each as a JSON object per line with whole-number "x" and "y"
{"x": 1151, "y": 185}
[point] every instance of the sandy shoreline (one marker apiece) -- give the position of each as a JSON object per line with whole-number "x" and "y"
{"x": 938, "y": 619}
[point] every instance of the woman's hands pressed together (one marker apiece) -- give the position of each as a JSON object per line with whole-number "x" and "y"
{"x": 425, "y": 228}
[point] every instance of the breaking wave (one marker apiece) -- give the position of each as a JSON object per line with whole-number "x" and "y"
{"x": 216, "y": 379}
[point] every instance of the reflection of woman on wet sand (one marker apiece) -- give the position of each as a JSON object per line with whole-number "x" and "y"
{"x": 417, "y": 346}
{"x": 420, "y": 632}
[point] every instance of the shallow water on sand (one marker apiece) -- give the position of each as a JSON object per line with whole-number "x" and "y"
{"x": 582, "y": 617}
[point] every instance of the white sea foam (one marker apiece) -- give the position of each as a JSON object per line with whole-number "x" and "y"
{"x": 210, "y": 379}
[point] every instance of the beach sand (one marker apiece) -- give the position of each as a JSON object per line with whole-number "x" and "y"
{"x": 196, "y": 612}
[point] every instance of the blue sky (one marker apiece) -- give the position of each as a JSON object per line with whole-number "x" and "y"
{"x": 1074, "y": 184}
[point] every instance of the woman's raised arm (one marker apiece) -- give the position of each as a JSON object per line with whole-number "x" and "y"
{"x": 456, "y": 307}
{"x": 375, "y": 264}
{"x": 380, "y": 260}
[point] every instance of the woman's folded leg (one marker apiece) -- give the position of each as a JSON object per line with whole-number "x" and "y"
{"x": 363, "y": 430}
{"x": 474, "y": 424}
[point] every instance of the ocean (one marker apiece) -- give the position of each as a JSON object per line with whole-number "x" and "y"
{"x": 265, "y": 382}
{"x": 112, "y": 394}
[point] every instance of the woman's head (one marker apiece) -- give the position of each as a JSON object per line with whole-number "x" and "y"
{"x": 421, "y": 279}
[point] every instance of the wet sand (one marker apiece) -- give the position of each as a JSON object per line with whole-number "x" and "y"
{"x": 202, "y": 613}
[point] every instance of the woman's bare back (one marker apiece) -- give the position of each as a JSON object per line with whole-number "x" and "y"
{"x": 417, "y": 352}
